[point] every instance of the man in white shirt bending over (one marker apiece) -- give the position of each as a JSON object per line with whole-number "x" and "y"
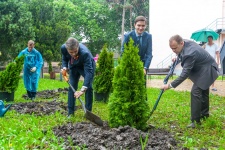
{"x": 213, "y": 50}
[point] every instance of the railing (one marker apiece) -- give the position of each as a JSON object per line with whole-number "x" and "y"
{"x": 219, "y": 23}
{"x": 165, "y": 63}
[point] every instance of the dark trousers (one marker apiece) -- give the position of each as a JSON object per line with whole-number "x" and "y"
{"x": 74, "y": 79}
{"x": 199, "y": 103}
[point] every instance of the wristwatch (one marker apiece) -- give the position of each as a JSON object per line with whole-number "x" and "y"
{"x": 83, "y": 89}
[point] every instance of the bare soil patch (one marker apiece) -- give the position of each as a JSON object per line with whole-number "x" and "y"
{"x": 90, "y": 136}
{"x": 187, "y": 84}
{"x": 49, "y": 93}
{"x": 40, "y": 108}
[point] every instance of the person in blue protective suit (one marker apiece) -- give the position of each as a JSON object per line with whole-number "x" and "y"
{"x": 33, "y": 63}
{"x": 78, "y": 60}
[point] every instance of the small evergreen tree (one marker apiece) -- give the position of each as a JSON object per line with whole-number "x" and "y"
{"x": 127, "y": 104}
{"x": 9, "y": 78}
{"x": 104, "y": 72}
{"x": 50, "y": 67}
{"x": 48, "y": 56}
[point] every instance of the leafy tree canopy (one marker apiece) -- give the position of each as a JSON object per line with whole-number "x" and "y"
{"x": 15, "y": 28}
{"x": 50, "y": 22}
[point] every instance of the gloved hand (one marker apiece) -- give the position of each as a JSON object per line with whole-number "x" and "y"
{"x": 33, "y": 69}
{"x": 64, "y": 71}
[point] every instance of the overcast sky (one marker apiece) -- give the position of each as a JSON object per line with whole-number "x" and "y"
{"x": 170, "y": 17}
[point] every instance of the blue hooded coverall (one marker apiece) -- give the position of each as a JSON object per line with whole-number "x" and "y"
{"x": 32, "y": 59}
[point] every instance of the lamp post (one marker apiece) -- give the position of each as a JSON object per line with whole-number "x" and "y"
{"x": 123, "y": 16}
{"x": 149, "y": 16}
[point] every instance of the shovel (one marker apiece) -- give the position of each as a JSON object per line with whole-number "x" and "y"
{"x": 165, "y": 82}
{"x": 89, "y": 115}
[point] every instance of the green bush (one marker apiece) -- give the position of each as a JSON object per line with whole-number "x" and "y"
{"x": 9, "y": 78}
{"x": 104, "y": 72}
{"x": 127, "y": 103}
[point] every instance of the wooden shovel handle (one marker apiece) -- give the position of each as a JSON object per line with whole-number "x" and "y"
{"x": 64, "y": 75}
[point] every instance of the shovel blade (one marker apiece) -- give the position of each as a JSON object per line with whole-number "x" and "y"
{"x": 90, "y": 116}
{"x": 93, "y": 118}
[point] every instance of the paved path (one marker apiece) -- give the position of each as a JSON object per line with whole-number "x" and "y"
{"x": 187, "y": 84}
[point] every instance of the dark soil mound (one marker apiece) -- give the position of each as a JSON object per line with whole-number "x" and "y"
{"x": 90, "y": 136}
{"x": 40, "y": 108}
{"x": 45, "y": 94}
{"x": 93, "y": 137}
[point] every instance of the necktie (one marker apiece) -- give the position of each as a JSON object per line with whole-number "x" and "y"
{"x": 74, "y": 58}
{"x": 139, "y": 41}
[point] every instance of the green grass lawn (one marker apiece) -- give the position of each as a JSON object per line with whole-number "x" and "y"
{"x": 23, "y": 131}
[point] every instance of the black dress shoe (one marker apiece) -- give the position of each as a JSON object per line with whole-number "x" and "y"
{"x": 194, "y": 124}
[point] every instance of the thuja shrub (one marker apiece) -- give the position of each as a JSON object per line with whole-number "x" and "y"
{"x": 9, "y": 78}
{"x": 127, "y": 103}
{"x": 104, "y": 72}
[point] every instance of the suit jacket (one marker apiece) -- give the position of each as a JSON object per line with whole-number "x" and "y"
{"x": 145, "y": 51}
{"x": 198, "y": 65}
{"x": 84, "y": 62}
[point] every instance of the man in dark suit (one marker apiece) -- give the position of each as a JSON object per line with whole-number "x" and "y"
{"x": 79, "y": 61}
{"x": 201, "y": 69}
{"x": 142, "y": 39}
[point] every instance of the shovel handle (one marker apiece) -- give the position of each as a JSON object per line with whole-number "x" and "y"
{"x": 90, "y": 116}
{"x": 64, "y": 75}
{"x": 165, "y": 82}
{"x": 171, "y": 71}
{"x": 156, "y": 103}
{"x": 67, "y": 80}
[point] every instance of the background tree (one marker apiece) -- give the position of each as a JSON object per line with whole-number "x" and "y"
{"x": 51, "y": 25}
{"x": 134, "y": 8}
{"x": 95, "y": 22}
{"x": 48, "y": 56}
{"x": 15, "y": 28}
{"x": 127, "y": 11}
{"x": 127, "y": 104}
{"x": 50, "y": 22}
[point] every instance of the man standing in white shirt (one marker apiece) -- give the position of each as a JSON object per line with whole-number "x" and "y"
{"x": 213, "y": 50}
